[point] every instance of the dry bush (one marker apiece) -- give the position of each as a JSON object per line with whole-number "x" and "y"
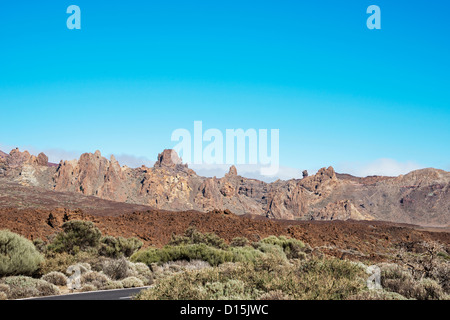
{"x": 76, "y": 236}
{"x": 18, "y": 256}
{"x": 26, "y": 287}
{"x": 58, "y": 262}
{"x": 239, "y": 242}
{"x": 95, "y": 278}
{"x": 275, "y": 295}
{"x": 56, "y": 278}
{"x": 4, "y": 288}
{"x": 376, "y": 295}
{"x": 88, "y": 287}
{"x": 113, "y": 285}
{"x": 313, "y": 279}
{"x": 116, "y": 269}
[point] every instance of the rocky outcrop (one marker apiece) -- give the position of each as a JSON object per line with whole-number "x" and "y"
{"x": 340, "y": 210}
{"x": 287, "y": 201}
{"x": 322, "y": 183}
{"x": 92, "y": 175}
{"x": 420, "y": 197}
{"x": 168, "y": 159}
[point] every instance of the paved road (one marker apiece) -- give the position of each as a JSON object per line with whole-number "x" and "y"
{"x": 120, "y": 294}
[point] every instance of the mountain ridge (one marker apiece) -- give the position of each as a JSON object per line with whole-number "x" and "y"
{"x": 420, "y": 197}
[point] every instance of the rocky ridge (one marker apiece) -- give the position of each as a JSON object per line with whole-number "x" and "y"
{"x": 420, "y": 197}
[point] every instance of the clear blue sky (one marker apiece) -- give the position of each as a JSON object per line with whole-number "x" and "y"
{"x": 137, "y": 70}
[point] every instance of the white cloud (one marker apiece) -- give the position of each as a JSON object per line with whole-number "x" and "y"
{"x": 380, "y": 167}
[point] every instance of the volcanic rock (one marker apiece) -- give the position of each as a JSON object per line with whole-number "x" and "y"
{"x": 420, "y": 197}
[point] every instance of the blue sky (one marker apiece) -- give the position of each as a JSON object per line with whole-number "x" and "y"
{"x": 365, "y": 101}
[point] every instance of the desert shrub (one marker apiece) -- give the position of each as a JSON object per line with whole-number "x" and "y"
{"x": 3, "y": 296}
{"x": 376, "y": 295}
{"x": 245, "y": 254}
{"x": 174, "y": 267}
{"x": 293, "y": 248}
{"x": 113, "y": 285}
{"x": 203, "y": 252}
{"x": 88, "y": 287}
{"x": 47, "y": 289}
{"x": 117, "y": 247}
{"x": 441, "y": 273}
{"x": 132, "y": 282}
{"x": 426, "y": 260}
{"x": 83, "y": 267}
{"x": 432, "y": 290}
{"x": 116, "y": 269}
{"x": 313, "y": 279}
{"x": 274, "y": 295}
{"x": 17, "y": 255}
{"x": 269, "y": 248}
{"x": 140, "y": 271}
{"x": 239, "y": 242}
{"x": 56, "y": 278}
{"x": 270, "y": 262}
{"x": 76, "y": 236}
{"x": 4, "y": 288}
{"x": 229, "y": 290}
{"x": 192, "y": 236}
{"x": 40, "y": 245}
{"x": 58, "y": 262}
{"x": 95, "y": 278}
{"x": 24, "y": 287}
{"x": 394, "y": 278}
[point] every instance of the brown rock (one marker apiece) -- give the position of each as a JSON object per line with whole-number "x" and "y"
{"x": 168, "y": 158}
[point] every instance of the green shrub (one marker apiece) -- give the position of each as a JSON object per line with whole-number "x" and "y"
{"x": 376, "y": 295}
{"x": 76, "y": 236}
{"x": 17, "y": 255}
{"x": 141, "y": 271}
{"x": 192, "y": 236}
{"x": 117, "y": 247}
{"x": 203, "y": 252}
{"x": 56, "y": 278}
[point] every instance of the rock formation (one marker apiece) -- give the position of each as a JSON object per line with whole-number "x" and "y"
{"x": 420, "y": 197}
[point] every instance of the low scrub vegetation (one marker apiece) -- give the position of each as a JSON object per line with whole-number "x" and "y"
{"x": 18, "y": 256}
{"x": 198, "y": 265}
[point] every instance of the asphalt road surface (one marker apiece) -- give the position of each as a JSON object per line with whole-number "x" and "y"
{"x": 120, "y": 294}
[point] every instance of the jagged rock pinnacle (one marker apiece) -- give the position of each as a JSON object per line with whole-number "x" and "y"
{"x": 168, "y": 158}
